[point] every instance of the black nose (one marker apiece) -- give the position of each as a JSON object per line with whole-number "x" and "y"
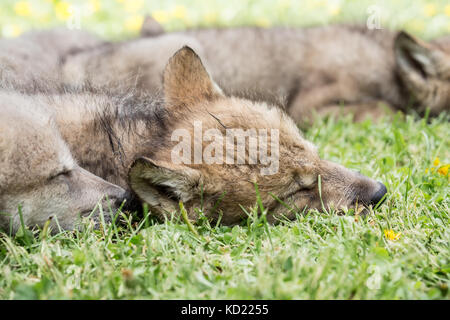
{"x": 378, "y": 195}
{"x": 132, "y": 202}
{"x": 125, "y": 196}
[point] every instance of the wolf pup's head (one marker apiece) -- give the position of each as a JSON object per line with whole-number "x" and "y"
{"x": 39, "y": 179}
{"x": 424, "y": 68}
{"x": 219, "y": 148}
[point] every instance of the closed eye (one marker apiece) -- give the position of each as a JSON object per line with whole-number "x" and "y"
{"x": 63, "y": 173}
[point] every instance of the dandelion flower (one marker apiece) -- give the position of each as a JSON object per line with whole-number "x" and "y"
{"x": 133, "y": 5}
{"x": 430, "y": 10}
{"x": 134, "y": 23}
{"x": 444, "y": 170}
{"x": 63, "y": 10}
{"x": 447, "y": 10}
{"x": 22, "y": 8}
{"x": 179, "y": 12}
{"x": 436, "y": 162}
{"x": 391, "y": 235}
{"x": 160, "y": 16}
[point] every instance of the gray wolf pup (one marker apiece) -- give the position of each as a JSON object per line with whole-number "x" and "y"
{"x": 39, "y": 175}
{"x": 128, "y": 139}
{"x": 321, "y": 70}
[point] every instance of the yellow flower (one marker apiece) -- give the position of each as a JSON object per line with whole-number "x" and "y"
{"x": 63, "y": 10}
{"x": 438, "y": 168}
{"x": 179, "y": 12}
{"x": 436, "y": 162}
{"x": 444, "y": 170}
{"x": 430, "y": 10}
{"x": 447, "y": 10}
{"x": 22, "y": 8}
{"x": 134, "y": 23}
{"x": 160, "y": 16}
{"x": 133, "y": 5}
{"x": 11, "y": 31}
{"x": 391, "y": 235}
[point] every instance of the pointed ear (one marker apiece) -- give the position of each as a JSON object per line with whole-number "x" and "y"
{"x": 186, "y": 81}
{"x": 416, "y": 59}
{"x": 151, "y": 28}
{"x": 161, "y": 184}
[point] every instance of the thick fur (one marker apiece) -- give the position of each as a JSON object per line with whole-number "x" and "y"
{"x": 425, "y": 71}
{"x": 321, "y": 70}
{"x": 38, "y": 54}
{"x": 38, "y": 175}
{"x": 126, "y": 139}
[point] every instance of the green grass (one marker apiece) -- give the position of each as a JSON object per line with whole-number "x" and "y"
{"x": 116, "y": 19}
{"x": 318, "y": 256}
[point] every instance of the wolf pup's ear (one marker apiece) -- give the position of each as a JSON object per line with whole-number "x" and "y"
{"x": 151, "y": 28}
{"x": 186, "y": 81}
{"x": 416, "y": 59}
{"x": 162, "y": 184}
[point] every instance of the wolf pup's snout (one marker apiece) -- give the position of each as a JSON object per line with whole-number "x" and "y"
{"x": 120, "y": 198}
{"x": 378, "y": 195}
{"x": 127, "y": 201}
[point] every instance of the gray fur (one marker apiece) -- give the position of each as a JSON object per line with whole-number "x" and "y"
{"x": 309, "y": 70}
{"x": 38, "y": 175}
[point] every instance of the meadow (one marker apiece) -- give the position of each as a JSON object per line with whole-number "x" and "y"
{"x": 399, "y": 251}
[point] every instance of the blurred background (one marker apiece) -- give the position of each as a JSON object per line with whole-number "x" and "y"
{"x": 116, "y": 19}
